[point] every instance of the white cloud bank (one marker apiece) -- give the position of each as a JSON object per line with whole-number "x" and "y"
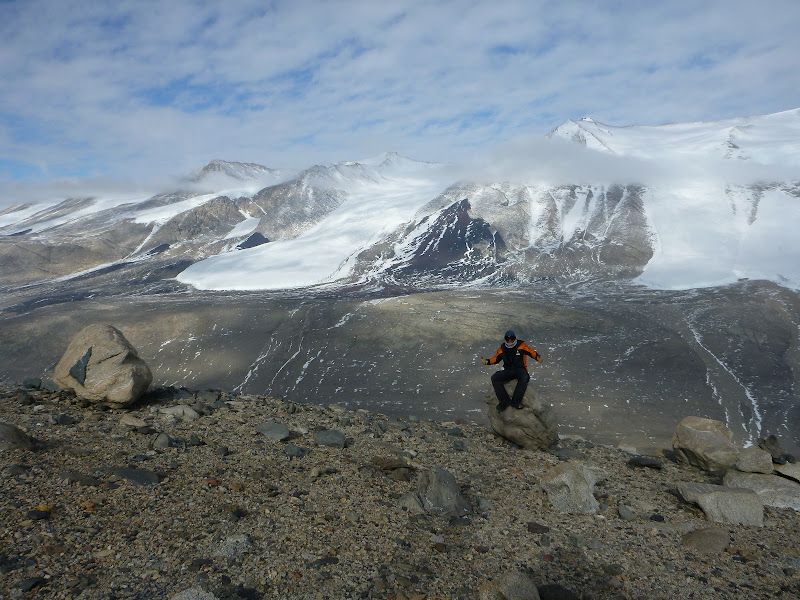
{"x": 127, "y": 89}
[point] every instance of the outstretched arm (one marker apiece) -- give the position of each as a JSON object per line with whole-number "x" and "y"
{"x": 494, "y": 359}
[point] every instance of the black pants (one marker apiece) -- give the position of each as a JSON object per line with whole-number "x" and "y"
{"x": 502, "y": 377}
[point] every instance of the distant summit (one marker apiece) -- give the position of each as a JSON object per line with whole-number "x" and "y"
{"x": 234, "y": 170}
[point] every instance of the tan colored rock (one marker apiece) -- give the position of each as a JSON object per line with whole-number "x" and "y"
{"x": 705, "y": 444}
{"x": 532, "y": 427}
{"x": 101, "y": 366}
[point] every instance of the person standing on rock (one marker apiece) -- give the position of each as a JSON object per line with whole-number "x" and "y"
{"x": 514, "y": 354}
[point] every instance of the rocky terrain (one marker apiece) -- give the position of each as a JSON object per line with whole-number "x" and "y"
{"x": 202, "y": 495}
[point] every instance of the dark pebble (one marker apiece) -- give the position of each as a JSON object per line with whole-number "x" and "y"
{"x": 537, "y": 528}
{"x": 555, "y": 591}
{"x": 37, "y": 515}
{"x": 28, "y": 584}
{"x": 645, "y": 461}
{"x": 25, "y": 399}
{"x": 138, "y": 477}
{"x": 657, "y": 518}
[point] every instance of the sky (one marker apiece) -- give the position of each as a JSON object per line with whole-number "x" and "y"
{"x": 128, "y": 91}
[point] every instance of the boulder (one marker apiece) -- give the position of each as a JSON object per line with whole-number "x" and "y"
{"x": 101, "y": 366}
{"x": 13, "y": 438}
{"x": 705, "y": 444}
{"x": 790, "y": 470}
{"x": 514, "y": 585}
{"x": 531, "y": 427}
{"x": 735, "y": 506}
{"x": 439, "y": 492}
{"x": 754, "y": 460}
{"x": 773, "y": 490}
{"x": 570, "y": 488}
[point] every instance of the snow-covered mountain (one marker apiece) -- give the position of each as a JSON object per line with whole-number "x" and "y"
{"x": 677, "y": 206}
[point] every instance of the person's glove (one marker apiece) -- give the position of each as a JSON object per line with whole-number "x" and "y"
{"x": 539, "y": 357}
{"x": 484, "y": 361}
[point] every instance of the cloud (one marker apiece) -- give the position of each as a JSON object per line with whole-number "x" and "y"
{"x": 126, "y": 89}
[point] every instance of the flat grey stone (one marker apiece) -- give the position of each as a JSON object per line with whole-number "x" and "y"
{"x": 721, "y": 504}
{"x": 707, "y": 541}
{"x": 12, "y": 438}
{"x": 274, "y": 431}
{"x": 138, "y": 477}
{"x": 773, "y": 490}
{"x": 330, "y": 438}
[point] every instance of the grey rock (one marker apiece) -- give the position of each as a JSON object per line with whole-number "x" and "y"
{"x": 274, "y": 431}
{"x": 62, "y": 420}
{"x": 330, "y": 438}
{"x": 754, "y": 460}
{"x": 570, "y": 487}
{"x": 513, "y": 585}
{"x": 532, "y": 427}
{"x": 138, "y": 477}
{"x": 790, "y": 470}
{"x": 24, "y": 398}
{"x": 293, "y": 451}
{"x": 440, "y": 493}
{"x": 162, "y": 441}
{"x": 109, "y": 365}
{"x": 736, "y": 506}
{"x": 32, "y": 383}
{"x": 209, "y": 396}
{"x": 412, "y": 503}
{"x": 773, "y": 445}
{"x": 194, "y": 593}
{"x": 707, "y": 541}
{"x": 705, "y": 444}
{"x": 13, "y": 438}
{"x": 181, "y": 411}
{"x": 233, "y": 546}
{"x": 70, "y": 477}
{"x": 773, "y": 490}
{"x": 625, "y": 512}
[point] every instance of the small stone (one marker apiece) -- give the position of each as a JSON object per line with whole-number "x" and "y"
{"x": 222, "y": 451}
{"x": 25, "y": 399}
{"x": 12, "y": 437}
{"x": 332, "y": 438}
{"x": 138, "y": 477}
{"x": 274, "y": 431}
{"x": 625, "y": 512}
{"x": 707, "y": 541}
{"x": 130, "y": 421}
{"x": 181, "y": 411}
{"x": 28, "y": 584}
{"x": 162, "y": 441}
{"x": 537, "y": 528}
{"x": 293, "y": 451}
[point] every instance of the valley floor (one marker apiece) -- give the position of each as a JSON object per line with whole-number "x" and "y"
{"x": 96, "y": 511}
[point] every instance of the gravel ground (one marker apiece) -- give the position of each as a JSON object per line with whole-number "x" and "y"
{"x": 224, "y": 511}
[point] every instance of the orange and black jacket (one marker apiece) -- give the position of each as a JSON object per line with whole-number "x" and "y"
{"x": 514, "y": 357}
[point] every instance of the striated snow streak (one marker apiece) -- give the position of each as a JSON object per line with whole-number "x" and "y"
{"x": 756, "y": 420}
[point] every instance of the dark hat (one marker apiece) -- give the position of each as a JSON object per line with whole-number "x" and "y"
{"x": 510, "y": 334}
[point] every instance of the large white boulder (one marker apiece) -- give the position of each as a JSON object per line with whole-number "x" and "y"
{"x": 101, "y": 366}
